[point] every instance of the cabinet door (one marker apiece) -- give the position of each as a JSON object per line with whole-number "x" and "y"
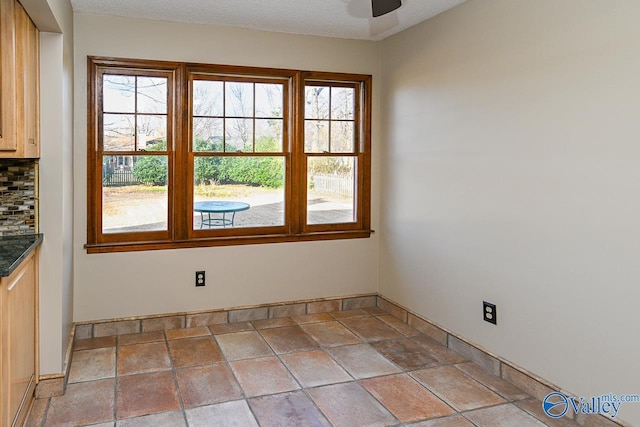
{"x": 27, "y": 85}
{"x": 8, "y": 140}
{"x": 19, "y": 336}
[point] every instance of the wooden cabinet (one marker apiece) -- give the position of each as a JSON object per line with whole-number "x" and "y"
{"x": 8, "y": 141}
{"x": 18, "y": 342}
{"x": 20, "y": 83}
{"x": 27, "y": 84}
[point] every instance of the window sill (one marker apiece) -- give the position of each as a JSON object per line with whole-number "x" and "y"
{"x": 224, "y": 241}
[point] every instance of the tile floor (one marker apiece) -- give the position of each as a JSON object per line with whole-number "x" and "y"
{"x": 350, "y": 368}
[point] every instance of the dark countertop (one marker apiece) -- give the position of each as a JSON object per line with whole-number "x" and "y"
{"x": 14, "y": 249}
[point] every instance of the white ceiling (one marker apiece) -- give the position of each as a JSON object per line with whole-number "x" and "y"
{"x": 335, "y": 18}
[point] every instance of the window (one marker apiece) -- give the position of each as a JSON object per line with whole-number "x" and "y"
{"x": 239, "y": 154}
{"x": 186, "y": 155}
{"x": 331, "y": 152}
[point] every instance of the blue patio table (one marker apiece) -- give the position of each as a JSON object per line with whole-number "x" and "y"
{"x": 219, "y": 207}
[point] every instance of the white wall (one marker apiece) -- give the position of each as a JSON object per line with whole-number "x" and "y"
{"x": 510, "y": 174}
{"x": 130, "y": 284}
{"x": 55, "y": 186}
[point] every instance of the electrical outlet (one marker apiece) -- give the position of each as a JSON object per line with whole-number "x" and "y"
{"x": 489, "y": 312}
{"x": 200, "y": 278}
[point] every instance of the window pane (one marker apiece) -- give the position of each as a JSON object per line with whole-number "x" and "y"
{"x": 239, "y": 135}
{"x": 239, "y": 191}
{"x": 268, "y": 135}
{"x": 152, "y": 133}
{"x": 331, "y": 190}
{"x": 134, "y": 193}
{"x": 316, "y": 102}
{"x": 152, "y": 95}
{"x": 238, "y": 99}
{"x": 208, "y": 98}
{"x": 316, "y": 136}
{"x": 269, "y": 100}
{"x": 342, "y": 103}
{"x": 118, "y": 132}
{"x": 208, "y": 134}
{"x": 118, "y": 94}
{"x": 342, "y": 137}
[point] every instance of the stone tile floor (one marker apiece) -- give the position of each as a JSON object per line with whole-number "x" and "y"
{"x": 349, "y": 368}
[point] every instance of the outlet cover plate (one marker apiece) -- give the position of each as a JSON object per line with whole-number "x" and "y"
{"x": 200, "y": 278}
{"x": 489, "y": 313}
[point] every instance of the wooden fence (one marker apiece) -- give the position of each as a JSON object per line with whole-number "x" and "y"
{"x": 339, "y": 185}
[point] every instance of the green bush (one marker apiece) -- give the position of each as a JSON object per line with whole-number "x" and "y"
{"x": 152, "y": 170}
{"x": 207, "y": 170}
{"x": 255, "y": 170}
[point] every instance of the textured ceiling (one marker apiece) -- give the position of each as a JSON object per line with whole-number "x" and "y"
{"x": 335, "y": 18}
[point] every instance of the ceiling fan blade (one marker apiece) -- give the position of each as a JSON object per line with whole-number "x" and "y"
{"x": 382, "y": 7}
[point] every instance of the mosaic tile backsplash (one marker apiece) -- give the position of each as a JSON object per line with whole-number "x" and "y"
{"x": 18, "y": 197}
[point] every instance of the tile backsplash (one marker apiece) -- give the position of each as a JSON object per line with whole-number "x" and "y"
{"x": 18, "y": 196}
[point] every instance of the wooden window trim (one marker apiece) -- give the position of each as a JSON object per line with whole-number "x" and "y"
{"x": 226, "y": 241}
{"x": 362, "y": 152}
{"x": 180, "y": 232}
{"x": 97, "y": 68}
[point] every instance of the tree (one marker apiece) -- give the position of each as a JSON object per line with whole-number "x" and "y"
{"x": 141, "y": 107}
